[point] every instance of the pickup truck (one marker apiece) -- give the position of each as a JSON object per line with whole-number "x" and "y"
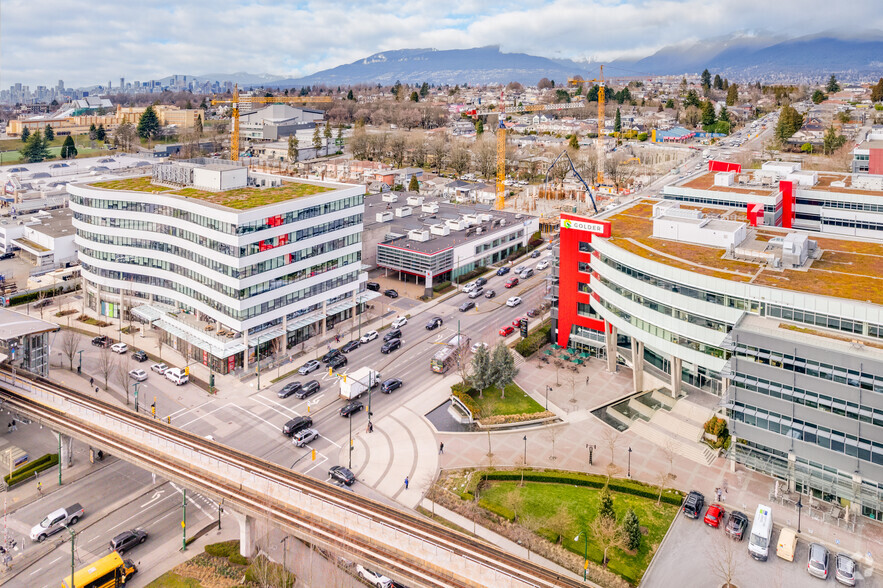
{"x": 55, "y": 521}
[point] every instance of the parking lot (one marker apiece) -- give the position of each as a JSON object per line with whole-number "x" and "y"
{"x": 694, "y": 554}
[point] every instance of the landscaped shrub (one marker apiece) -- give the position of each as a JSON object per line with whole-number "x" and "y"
{"x": 500, "y": 419}
{"x": 223, "y": 549}
{"x": 441, "y": 286}
{"x": 516, "y": 254}
{"x": 534, "y": 341}
{"x": 462, "y": 392}
{"x": 498, "y": 509}
{"x": 29, "y": 469}
{"x": 715, "y": 426}
{"x": 535, "y": 241}
{"x": 469, "y": 276}
{"x": 549, "y": 535}
{"x": 239, "y": 559}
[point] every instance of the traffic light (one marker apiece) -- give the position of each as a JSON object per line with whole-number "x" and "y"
{"x": 211, "y": 380}
{"x": 523, "y": 326}
{"x": 153, "y": 408}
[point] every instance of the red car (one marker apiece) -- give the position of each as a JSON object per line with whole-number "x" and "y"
{"x": 713, "y": 515}
{"x": 517, "y": 322}
{"x": 512, "y": 282}
{"x": 507, "y": 330}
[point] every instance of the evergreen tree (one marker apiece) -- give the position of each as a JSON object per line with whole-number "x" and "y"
{"x": 479, "y": 127}
{"x": 718, "y": 82}
{"x": 482, "y": 373}
{"x": 424, "y": 90}
{"x": 204, "y": 106}
{"x": 340, "y": 134}
{"x": 327, "y": 133}
{"x": 632, "y": 528}
{"x": 726, "y": 85}
{"x": 877, "y": 91}
{"x": 707, "y": 114}
{"x": 831, "y": 142}
{"x": 818, "y": 97}
{"x": 317, "y": 139}
{"x": 49, "y": 133}
{"x": 148, "y": 124}
{"x": 92, "y": 131}
{"x": 100, "y": 133}
{"x": 669, "y": 103}
{"x": 35, "y": 150}
{"x": 833, "y": 87}
{"x": 732, "y": 94}
{"x": 574, "y": 142}
{"x": 503, "y": 365}
{"x": 68, "y": 149}
{"x": 349, "y": 95}
{"x": 292, "y": 148}
{"x": 197, "y": 126}
{"x": 692, "y": 99}
{"x": 617, "y": 122}
{"x": 706, "y": 79}
{"x": 789, "y": 123}
{"x": 414, "y": 184}
{"x": 606, "y": 508}
{"x": 724, "y": 115}
{"x": 25, "y": 133}
{"x": 415, "y": 97}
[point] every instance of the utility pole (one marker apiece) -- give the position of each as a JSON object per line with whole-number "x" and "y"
{"x": 59, "y": 458}
{"x": 184, "y": 521}
{"x": 350, "y": 467}
{"x": 73, "y": 565}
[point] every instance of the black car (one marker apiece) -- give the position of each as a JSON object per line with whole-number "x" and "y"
{"x": 296, "y": 424}
{"x": 307, "y": 389}
{"x": 534, "y": 254}
{"x": 338, "y": 361}
{"x": 341, "y": 474}
{"x": 351, "y": 407}
{"x": 533, "y": 312}
{"x": 693, "y": 504}
{"x": 330, "y": 355}
{"x": 102, "y": 341}
{"x": 481, "y": 281}
{"x": 502, "y": 271}
{"x": 468, "y": 305}
{"x": 490, "y": 294}
{"x": 7, "y": 255}
{"x": 391, "y": 293}
{"x": 389, "y": 385}
{"x": 373, "y": 286}
{"x": 394, "y": 334}
{"x": 289, "y": 389}
{"x": 434, "y": 323}
{"x": 736, "y": 525}
{"x": 127, "y": 540}
{"x": 391, "y": 346}
{"x": 347, "y": 347}
{"x": 139, "y": 356}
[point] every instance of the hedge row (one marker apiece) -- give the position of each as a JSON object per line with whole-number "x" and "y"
{"x": 440, "y": 286}
{"x": 31, "y": 296}
{"x": 29, "y": 469}
{"x": 498, "y": 509}
{"x": 499, "y": 419}
{"x": 469, "y": 276}
{"x": 516, "y": 254}
{"x": 534, "y": 341}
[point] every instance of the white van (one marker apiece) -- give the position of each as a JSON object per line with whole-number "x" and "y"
{"x": 761, "y": 531}
{"x": 177, "y": 376}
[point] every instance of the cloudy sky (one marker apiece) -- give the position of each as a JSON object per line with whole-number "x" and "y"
{"x": 87, "y": 42}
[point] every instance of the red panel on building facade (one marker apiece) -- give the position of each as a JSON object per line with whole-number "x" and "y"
{"x": 787, "y": 190}
{"x": 875, "y": 162}
{"x": 755, "y": 214}
{"x": 724, "y": 166}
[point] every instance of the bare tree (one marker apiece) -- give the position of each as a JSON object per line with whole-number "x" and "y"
{"x": 458, "y": 158}
{"x": 514, "y": 501}
{"x": 608, "y": 533}
{"x": 159, "y": 344}
{"x": 662, "y": 480}
{"x": 106, "y": 363}
{"x": 611, "y": 469}
{"x": 570, "y": 378}
{"x": 395, "y": 148}
{"x": 610, "y": 436}
{"x": 552, "y": 433}
{"x": 485, "y": 156}
{"x": 438, "y": 150}
{"x": 724, "y": 562}
{"x": 121, "y": 373}
{"x": 42, "y": 301}
{"x": 70, "y": 344}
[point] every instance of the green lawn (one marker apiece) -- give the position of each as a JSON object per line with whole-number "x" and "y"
{"x": 568, "y": 510}
{"x": 173, "y": 580}
{"x": 516, "y": 401}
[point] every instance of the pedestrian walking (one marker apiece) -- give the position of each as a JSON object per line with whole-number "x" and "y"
{"x": 370, "y": 427}
{"x": 91, "y": 381}
{"x": 12, "y": 425}
{"x": 40, "y": 488}
{"x": 96, "y": 390}
{"x": 441, "y": 447}
{"x": 587, "y": 380}
{"x": 406, "y": 482}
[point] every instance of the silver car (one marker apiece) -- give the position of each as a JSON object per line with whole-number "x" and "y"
{"x": 817, "y": 561}
{"x": 304, "y": 436}
{"x": 308, "y": 367}
{"x": 844, "y": 569}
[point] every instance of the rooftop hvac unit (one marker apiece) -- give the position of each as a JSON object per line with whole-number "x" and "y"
{"x": 418, "y": 235}
{"x": 484, "y": 217}
{"x": 440, "y": 229}
{"x": 403, "y": 211}
{"x": 415, "y": 200}
{"x": 456, "y": 224}
{"x": 384, "y": 217}
{"x": 470, "y": 219}
{"x": 390, "y": 197}
{"x": 431, "y": 208}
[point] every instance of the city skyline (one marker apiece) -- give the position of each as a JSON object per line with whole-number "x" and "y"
{"x": 295, "y": 38}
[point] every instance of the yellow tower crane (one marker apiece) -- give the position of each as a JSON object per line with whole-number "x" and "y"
{"x": 239, "y": 101}
{"x": 600, "y": 143}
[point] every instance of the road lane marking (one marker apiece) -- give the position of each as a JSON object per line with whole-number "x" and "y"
{"x": 185, "y": 409}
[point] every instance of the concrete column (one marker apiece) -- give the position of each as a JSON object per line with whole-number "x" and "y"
{"x": 638, "y": 364}
{"x": 246, "y": 532}
{"x": 66, "y": 457}
{"x": 675, "y": 376}
{"x": 792, "y": 462}
{"x": 610, "y": 339}
{"x": 324, "y": 316}
{"x": 245, "y": 353}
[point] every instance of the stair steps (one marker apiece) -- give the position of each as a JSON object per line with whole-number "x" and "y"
{"x": 698, "y": 452}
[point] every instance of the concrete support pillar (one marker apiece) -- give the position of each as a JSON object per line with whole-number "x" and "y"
{"x": 612, "y": 334}
{"x": 245, "y": 353}
{"x": 675, "y": 377}
{"x": 792, "y": 462}
{"x": 66, "y": 455}
{"x": 246, "y": 532}
{"x": 324, "y": 316}
{"x": 638, "y": 364}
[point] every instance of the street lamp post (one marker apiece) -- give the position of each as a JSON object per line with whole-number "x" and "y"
{"x": 524, "y": 463}
{"x": 548, "y": 389}
{"x": 136, "y": 395}
{"x": 799, "y": 508}
{"x": 630, "y": 463}
{"x": 586, "y": 564}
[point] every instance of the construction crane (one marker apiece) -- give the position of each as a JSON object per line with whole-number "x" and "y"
{"x": 576, "y": 173}
{"x": 600, "y": 143}
{"x": 244, "y": 101}
{"x": 500, "y": 201}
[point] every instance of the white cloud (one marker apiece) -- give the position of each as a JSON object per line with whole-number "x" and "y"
{"x": 89, "y": 42}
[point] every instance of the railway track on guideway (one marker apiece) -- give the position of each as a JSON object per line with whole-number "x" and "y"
{"x": 440, "y": 543}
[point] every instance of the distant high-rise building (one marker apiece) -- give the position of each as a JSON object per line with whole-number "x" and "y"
{"x": 122, "y": 83}
{"x": 109, "y": 85}
{"x": 61, "y": 85}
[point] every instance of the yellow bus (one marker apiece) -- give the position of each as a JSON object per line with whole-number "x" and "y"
{"x": 108, "y": 572}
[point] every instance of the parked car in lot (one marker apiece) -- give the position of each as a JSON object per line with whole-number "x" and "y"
{"x": 817, "y": 561}
{"x": 140, "y": 356}
{"x": 7, "y": 255}
{"x": 844, "y": 569}
{"x": 342, "y": 474}
{"x": 391, "y": 293}
{"x": 714, "y": 515}
{"x": 736, "y": 525}
{"x": 787, "y": 545}
{"x": 373, "y": 286}
{"x": 176, "y": 376}
{"x": 351, "y": 408}
{"x": 304, "y": 436}
{"x": 399, "y": 322}
{"x": 693, "y": 504}
{"x": 102, "y": 341}
{"x": 391, "y": 346}
{"x": 512, "y": 283}
{"x": 434, "y": 323}
{"x": 138, "y": 375}
{"x": 308, "y": 367}
{"x": 289, "y": 389}
{"x": 120, "y": 348}
{"x": 391, "y": 384}
{"x": 393, "y": 334}
{"x": 127, "y": 540}
{"x": 517, "y": 322}
{"x": 507, "y": 330}
{"x": 368, "y": 337}
{"x": 347, "y": 347}
{"x": 468, "y": 305}
{"x": 159, "y": 368}
{"x": 307, "y": 389}
{"x": 503, "y": 271}
{"x": 513, "y": 301}
{"x": 489, "y": 294}
{"x": 338, "y": 361}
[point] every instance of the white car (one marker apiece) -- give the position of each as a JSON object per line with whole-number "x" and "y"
{"x": 159, "y": 368}
{"x": 119, "y": 348}
{"x": 469, "y": 287}
{"x": 369, "y": 336}
{"x": 177, "y": 376}
{"x": 513, "y": 301}
{"x": 399, "y": 322}
{"x": 373, "y": 578}
{"x": 478, "y": 346}
{"x": 138, "y": 375}
{"x": 542, "y": 265}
